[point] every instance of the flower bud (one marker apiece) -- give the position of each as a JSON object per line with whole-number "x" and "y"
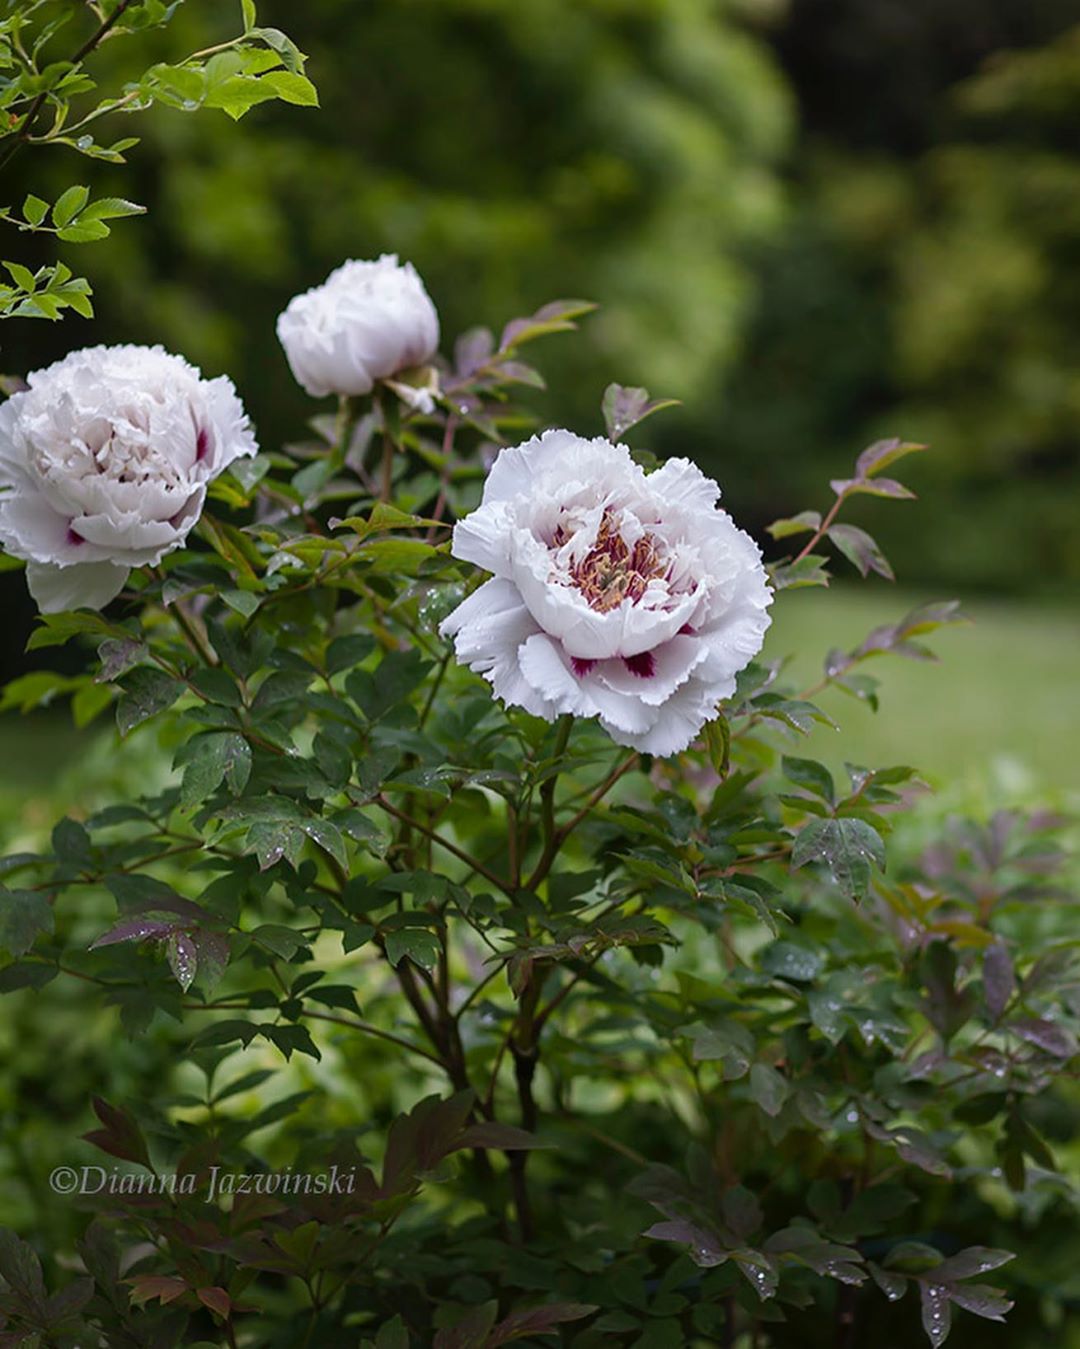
{"x": 366, "y": 322}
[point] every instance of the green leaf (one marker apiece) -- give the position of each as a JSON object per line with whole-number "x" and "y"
{"x": 392, "y": 1335}
{"x": 875, "y": 487}
{"x": 788, "y": 960}
{"x": 146, "y": 692}
{"x": 883, "y": 453}
{"x": 24, "y": 916}
{"x": 292, "y": 87}
{"x": 85, "y": 232}
{"x": 803, "y": 523}
{"x": 21, "y": 1271}
{"x": 726, "y": 1041}
{"x": 345, "y": 652}
{"x": 936, "y": 1312}
{"x": 810, "y": 775}
{"x": 271, "y": 840}
{"x": 718, "y": 743}
{"x": 22, "y": 276}
{"x": 624, "y": 408}
{"x": 71, "y": 842}
{"x": 292, "y": 58}
{"x": 225, "y": 1032}
{"x": 34, "y": 209}
{"x": 37, "y": 689}
{"x": 847, "y": 846}
{"x": 292, "y": 1040}
{"x": 238, "y": 94}
{"x": 183, "y": 958}
{"x": 555, "y": 317}
{"x": 282, "y": 941}
{"x": 56, "y": 629}
{"x": 110, "y": 208}
{"x": 242, "y": 602}
{"x": 422, "y": 947}
{"x": 768, "y": 1088}
{"x": 117, "y": 656}
{"x": 328, "y": 836}
{"x": 217, "y": 686}
{"x": 807, "y": 571}
{"x": 217, "y": 757}
{"x": 861, "y": 550}
{"x": 247, "y": 11}
{"x": 69, "y": 204}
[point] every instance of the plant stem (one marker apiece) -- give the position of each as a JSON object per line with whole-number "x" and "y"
{"x": 513, "y": 850}
{"x": 462, "y": 856}
{"x": 386, "y": 487}
{"x": 187, "y": 624}
{"x": 559, "y": 836}
{"x": 564, "y": 992}
{"x": 547, "y": 804}
{"x": 598, "y": 795}
{"x": 444, "y": 475}
{"x": 834, "y": 510}
{"x": 479, "y": 987}
{"x": 367, "y": 1029}
{"x": 526, "y": 1054}
{"x": 435, "y": 684}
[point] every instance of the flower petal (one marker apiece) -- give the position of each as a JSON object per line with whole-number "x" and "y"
{"x": 31, "y": 529}
{"x": 672, "y": 665}
{"x": 89, "y": 585}
{"x": 550, "y": 671}
{"x": 674, "y": 725}
{"x": 483, "y": 538}
{"x": 679, "y": 482}
{"x": 488, "y": 630}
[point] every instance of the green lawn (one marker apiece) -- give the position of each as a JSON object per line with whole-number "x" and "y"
{"x": 1000, "y": 710}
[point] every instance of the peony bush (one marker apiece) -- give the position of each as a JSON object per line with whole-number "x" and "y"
{"x": 499, "y": 969}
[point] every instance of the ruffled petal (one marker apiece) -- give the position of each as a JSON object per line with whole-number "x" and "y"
{"x": 483, "y": 538}
{"x": 489, "y": 629}
{"x": 675, "y": 725}
{"x": 129, "y": 538}
{"x": 553, "y": 459}
{"x": 680, "y": 483}
{"x": 550, "y": 671}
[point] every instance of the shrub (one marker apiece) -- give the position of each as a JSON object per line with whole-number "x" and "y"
{"x": 460, "y": 1023}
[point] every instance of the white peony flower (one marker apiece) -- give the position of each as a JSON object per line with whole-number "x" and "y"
{"x": 615, "y": 594}
{"x": 104, "y": 462}
{"x": 366, "y": 322}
